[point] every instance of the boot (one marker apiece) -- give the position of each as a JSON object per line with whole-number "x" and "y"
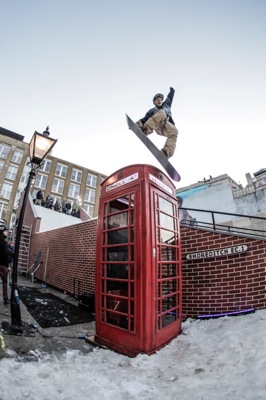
{"x": 166, "y": 153}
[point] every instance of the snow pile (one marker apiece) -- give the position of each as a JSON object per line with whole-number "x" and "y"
{"x": 217, "y": 359}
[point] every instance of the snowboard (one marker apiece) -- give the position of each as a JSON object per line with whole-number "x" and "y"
{"x": 158, "y": 154}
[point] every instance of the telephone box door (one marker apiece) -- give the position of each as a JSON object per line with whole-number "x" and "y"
{"x": 167, "y": 266}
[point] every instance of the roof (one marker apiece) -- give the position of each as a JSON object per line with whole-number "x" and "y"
{"x": 260, "y": 172}
{"x": 11, "y": 134}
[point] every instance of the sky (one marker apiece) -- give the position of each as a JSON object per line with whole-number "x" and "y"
{"x": 219, "y": 359}
{"x": 80, "y": 66}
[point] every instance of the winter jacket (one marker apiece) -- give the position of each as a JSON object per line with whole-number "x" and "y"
{"x": 4, "y": 251}
{"x": 166, "y": 106}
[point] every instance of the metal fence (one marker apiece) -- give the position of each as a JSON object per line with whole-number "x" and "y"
{"x": 222, "y": 222}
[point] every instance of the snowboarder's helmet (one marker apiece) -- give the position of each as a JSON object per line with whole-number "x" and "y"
{"x": 158, "y": 95}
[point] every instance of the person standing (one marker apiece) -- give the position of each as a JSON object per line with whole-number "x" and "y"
{"x": 4, "y": 259}
{"x": 64, "y": 206}
{"x": 39, "y": 198}
{"x": 68, "y": 208}
{"x": 74, "y": 208}
{"x": 159, "y": 118}
{"x": 49, "y": 201}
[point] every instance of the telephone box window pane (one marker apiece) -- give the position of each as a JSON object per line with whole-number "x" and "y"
{"x": 166, "y": 236}
{"x": 168, "y": 253}
{"x": 103, "y": 314}
{"x": 168, "y": 303}
{"x": 118, "y": 253}
{"x": 132, "y": 271}
{"x": 168, "y": 319}
{"x": 169, "y": 270}
{"x": 132, "y": 290}
{"x": 103, "y": 270}
{"x": 131, "y": 253}
{"x": 118, "y": 220}
{"x": 131, "y": 324}
{"x": 118, "y": 271}
{"x": 131, "y": 216}
{"x": 168, "y": 287}
{"x": 159, "y": 271}
{"x": 104, "y": 241}
{"x": 132, "y": 307}
{"x": 159, "y": 294}
{"x": 117, "y": 304}
{"x": 131, "y": 235}
{"x": 118, "y": 205}
{"x": 118, "y": 236}
{"x": 166, "y": 206}
{"x": 132, "y": 196}
{"x": 166, "y": 221}
{"x": 117, "y": 319}
{"x": 115, "y": 286}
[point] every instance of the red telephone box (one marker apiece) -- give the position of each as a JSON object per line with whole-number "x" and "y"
{"x": 138, "y": 266}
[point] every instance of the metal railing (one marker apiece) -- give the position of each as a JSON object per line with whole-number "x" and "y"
{"x": 222, "y": 222}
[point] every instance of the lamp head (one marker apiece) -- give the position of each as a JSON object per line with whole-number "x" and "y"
{"x": 40, "y": 146}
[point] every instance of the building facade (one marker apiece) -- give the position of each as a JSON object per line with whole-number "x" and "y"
{"x": 223, "y": 194}
{"x": 61, "y": 179}
{"x": 13, "y": 176}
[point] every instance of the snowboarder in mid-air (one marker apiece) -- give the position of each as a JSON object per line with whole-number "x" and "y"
{"x": 159, "y": 118}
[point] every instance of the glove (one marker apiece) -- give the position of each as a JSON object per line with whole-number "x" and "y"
{"x": 139, "y": 123}
{"x": 171, "y": 88}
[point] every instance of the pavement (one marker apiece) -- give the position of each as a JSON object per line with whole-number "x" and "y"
{"x": 35, "y": 341}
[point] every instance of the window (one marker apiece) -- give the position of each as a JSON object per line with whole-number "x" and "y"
{"x": 11, "y": 172}
{"x": 73, "y": 190}
{"x": 34, "y": 193}
{"x": 4, "y": 151}
{"x": 76, "y": 175}
{"x": 89, "y": 209}
{"x": 24, "y": 178}
{"x": 17, "y": 156}
{"x": 3, "y": 209}
{"x": 6, "y": 190}
{"x": 41, "y": 181}
{"x": 90, "y": 195}
{"x": 1, "y": 165}
{"x": 61, "y": 170}
{"x": 91, "y": 180}
{"x": 58, "y": 185}
{"x": 17, "y": 198}
{"x": 46, "y": 166}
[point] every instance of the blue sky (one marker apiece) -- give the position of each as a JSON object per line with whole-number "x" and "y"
{"x": 80, "y": 65}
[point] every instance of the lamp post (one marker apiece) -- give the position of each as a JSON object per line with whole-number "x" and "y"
{"x": 40, "y": 145}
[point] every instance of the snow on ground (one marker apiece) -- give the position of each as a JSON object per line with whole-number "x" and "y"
{"x": 214, "y": 359}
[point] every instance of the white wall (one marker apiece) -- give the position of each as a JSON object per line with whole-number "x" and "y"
{"x": 217, "y": 195}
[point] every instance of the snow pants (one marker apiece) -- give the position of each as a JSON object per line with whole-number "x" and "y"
{"x": 159, "y": 122}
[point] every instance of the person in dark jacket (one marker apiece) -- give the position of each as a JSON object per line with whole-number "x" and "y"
{"x": 4, "y": 257}
{"x": 159, "y": 118}
{"x": 39, "y": 197}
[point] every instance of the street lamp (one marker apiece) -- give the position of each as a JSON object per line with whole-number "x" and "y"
{"x": 40, "y": 146}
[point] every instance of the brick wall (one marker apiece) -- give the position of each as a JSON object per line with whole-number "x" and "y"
{"x": 222, "y": 284}
{"x": 68, "y": 257}
{"x": 211, "y": 285}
